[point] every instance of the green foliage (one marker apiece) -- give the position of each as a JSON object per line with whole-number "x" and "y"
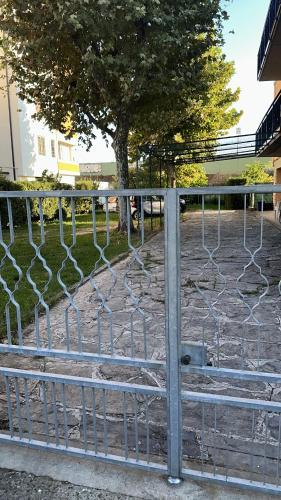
{"x": 109, "y": 63}
{"x": 236, "y": 181}
{"x": 191, "y": 176}
{"x": 256, "y": 173}
{"x": 147, "y": 175}
{"x": 206, "y": 113}
{"x": 49, "y": 205}
{"x": 84, "y": 205}
{"x": 49, "y": 177}
{"x": 17, "y": 204}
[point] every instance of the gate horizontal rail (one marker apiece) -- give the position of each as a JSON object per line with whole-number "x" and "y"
{"x": 231, "y": 481}
{"x": 209, "y": 190}
{"x": 83, "y": 382}
{"x": 84, "y": 193}
{"x": 231, "y": 401}
{"x": 82, "y": 356}
{"x": 74, "y": 452}
{"x": 244, "y": 375}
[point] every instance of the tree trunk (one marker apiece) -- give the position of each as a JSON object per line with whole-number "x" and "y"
{"x": 171, "y": 176}
{"x": 120, "y": 146}
{"x": 252, "y": 200}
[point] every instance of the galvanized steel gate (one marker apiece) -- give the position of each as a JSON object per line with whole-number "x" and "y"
{"x": 60, "y": 388}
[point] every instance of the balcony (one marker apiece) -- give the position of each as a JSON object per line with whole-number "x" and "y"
{"x": 269, "y": 56}
{"x": 268, "y": 136}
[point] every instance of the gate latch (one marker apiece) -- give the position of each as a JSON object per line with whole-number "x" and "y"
{"x": 194, "y": 354}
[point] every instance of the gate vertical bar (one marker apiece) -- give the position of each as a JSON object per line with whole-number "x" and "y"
{"x": 173, "y": 319}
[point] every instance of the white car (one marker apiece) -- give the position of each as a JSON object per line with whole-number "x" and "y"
{"x": 152, "y": 205}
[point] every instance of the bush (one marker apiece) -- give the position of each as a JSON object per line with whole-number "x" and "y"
{"x": 49, "y": 205}
{"x": 18, "y": 204}
{"x": 84, "y": 205}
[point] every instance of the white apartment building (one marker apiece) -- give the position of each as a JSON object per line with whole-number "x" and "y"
{"x": 27, "y": 146}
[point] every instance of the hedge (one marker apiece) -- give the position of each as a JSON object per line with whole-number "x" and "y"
{"x": 84, "y": 205}
{"x": 50, "y": 205}
{"x": 18, "y": 204}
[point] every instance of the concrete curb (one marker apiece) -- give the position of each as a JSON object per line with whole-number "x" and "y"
{"x": 113, "y": 479}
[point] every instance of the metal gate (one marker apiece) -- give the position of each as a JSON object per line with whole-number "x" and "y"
{"x": 160, "y": 355}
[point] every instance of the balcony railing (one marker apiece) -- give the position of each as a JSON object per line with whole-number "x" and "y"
{"x": 202, "y": 151}
{"x": 272, "y": 16}
{"x": 270, "y": 126}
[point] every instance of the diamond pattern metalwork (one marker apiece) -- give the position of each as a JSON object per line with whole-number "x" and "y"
{"x": 103, "y": 297}
{"x": 37, "y": 248}
{"x": 11, "y": 292}
{"x": 69, "y": 258}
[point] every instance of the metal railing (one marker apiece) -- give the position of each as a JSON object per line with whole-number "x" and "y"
{"x": 272, "y": 16}
{"x": 270, "y": 125}
{"x": 164, "y": 355}
{"x": 202, "y": 151}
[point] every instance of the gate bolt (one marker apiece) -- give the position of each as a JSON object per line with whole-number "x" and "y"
{"x": 186, "y": 359}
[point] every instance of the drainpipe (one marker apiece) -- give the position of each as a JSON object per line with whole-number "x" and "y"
{"x": 11, "y": 124}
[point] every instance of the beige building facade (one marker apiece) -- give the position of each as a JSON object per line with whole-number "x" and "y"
{"x": 28, "y": 146}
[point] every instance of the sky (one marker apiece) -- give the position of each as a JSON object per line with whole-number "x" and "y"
{"x": 246, "y": 19}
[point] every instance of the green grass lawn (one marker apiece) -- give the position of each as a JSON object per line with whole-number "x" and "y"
{"x": 84, "y": 251}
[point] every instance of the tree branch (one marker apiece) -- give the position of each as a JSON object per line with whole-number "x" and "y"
{"x": 95, "y": 122}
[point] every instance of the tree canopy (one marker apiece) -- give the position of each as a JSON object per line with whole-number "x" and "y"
{"x": 208, "y": 113}
{"x": 190, "y": 175}
{"x": 105, "y": 63}
{"x": 257, "y": 173}
{"x": 185, "y": 175}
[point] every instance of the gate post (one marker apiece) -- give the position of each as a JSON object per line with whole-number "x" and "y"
{"x": 173, "y": 333}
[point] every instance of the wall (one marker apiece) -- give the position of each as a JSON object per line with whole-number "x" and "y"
{"x": 25, "y": 131}
{"x": 34, "y": 164}
{"x": 277, "y": 161}
{"x": 7, "y": 122}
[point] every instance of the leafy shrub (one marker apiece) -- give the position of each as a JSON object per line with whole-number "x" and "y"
{"x": 18, "y": 204}
{"x": 48, "y": 182}
{"x": 49, "y": 205}
{"x": 84, "y": 205}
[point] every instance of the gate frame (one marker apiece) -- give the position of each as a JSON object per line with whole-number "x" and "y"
{"x": 173, "y": 391}
{"x": 173, "y": 335}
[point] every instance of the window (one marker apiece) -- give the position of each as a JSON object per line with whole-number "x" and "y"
{"x": 53, "y": 148}
{"x": 41, "y": 146}
{"x": 65, "y": 152}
